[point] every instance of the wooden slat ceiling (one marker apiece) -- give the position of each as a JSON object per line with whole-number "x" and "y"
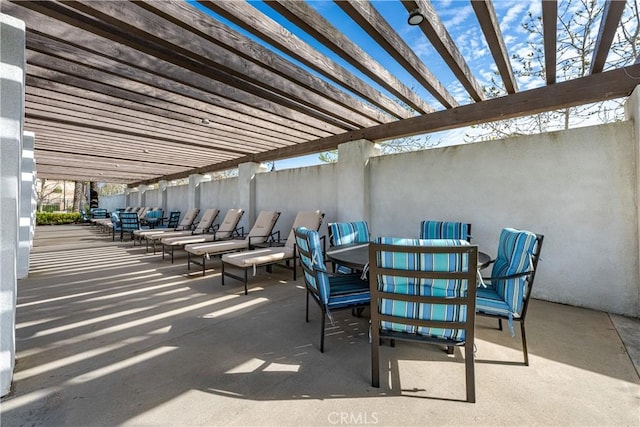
{"x": 137, "y": 92}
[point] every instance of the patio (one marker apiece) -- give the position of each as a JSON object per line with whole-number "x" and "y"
{"x": 107, "y": 334}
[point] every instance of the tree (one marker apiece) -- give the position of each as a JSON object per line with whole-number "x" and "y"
{"x": 78, "y": 196}
{"x": 44, "y": 189}
{"x": 110, "y": 189}
{"x": 93, "y": 195}
{"x": 578, "y": 24}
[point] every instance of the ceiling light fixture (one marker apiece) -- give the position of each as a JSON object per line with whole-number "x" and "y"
{"x": 205, "y": 121}
{"x": 415, "y": 17}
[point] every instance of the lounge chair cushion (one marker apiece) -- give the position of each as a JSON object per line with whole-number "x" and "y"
{"x": 186, "y": 240}
{"x": 258, "y": 256}
{"x": 217, "y": 247}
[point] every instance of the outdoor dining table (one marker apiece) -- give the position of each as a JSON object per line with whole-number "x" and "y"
{"x": 356, "y": 256}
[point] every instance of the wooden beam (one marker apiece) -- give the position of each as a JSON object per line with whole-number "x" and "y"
{"x": 216, "y": 115}
{"x": 195, "y": 84}
{"x": 365, "y": 15}
{"x": 195, "y": 21}
{"x": 549, "y": 29}
{"x": 488, "y": 20}
{"x": 260, "y": 25}
{"x": 196, "y": 132}
{"x": 584, "y": 90}
{"x": 442, "y": 42}
{"x": 149, "y": 33}
{"x": 611, "y": 15}
{"x": 305, "y": 17}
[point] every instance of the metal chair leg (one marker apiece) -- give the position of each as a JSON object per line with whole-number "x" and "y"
{"x": 322, "y": 333}
{"x": 524, "y": 344}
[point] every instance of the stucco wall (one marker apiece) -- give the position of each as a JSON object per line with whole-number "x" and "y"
{"x": 177, "y": 199}
{"x": 152, "y": 198}
{"x": 293, "y": 190}
{"x": 221, "y": 194}
{"x": 576, "y": 187}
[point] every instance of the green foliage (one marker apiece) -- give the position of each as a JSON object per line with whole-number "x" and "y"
{"x": 52, "y": 218}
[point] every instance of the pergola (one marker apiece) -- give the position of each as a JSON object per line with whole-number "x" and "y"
{"x": 137, "y": 92}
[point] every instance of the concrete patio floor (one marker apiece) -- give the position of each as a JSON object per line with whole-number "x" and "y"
{"x": 110, "y": 335}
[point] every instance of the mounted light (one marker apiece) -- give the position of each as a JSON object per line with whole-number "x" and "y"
{"x": 205, "y": 121}
{"x": 415, "y": 17}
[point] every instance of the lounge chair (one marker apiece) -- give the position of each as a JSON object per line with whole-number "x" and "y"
{"x": 259, "y": 233}
{"x": 275, "y": 254}
{"x": 172, "y": 240}
{"x": 185, "y": 227}
{"x": 172, "y": 225}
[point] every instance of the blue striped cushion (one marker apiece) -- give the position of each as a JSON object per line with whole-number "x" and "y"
{"x": 425, "y": 287}
{"x": 320, "y": 280}
{"x": 444, "y": 230}
{"x": 349, "y": 232}
{"x": 154, "y": 214}
{"x": 515, "y": 251}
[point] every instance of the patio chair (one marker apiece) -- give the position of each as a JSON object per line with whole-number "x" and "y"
{"x": 259, "y": 233}
{"x": 505, "y": 295}
{"x": 274, "y": 254}
{"x": 172, "y": 225}
{"x": 345, "y": 233}
{"x": 445, "y": 230}
{"x": 425, "y": 291}
{"x": 330, "y": 291}
{"x": 172, "y": 240}
{"x": 129, "y": 222}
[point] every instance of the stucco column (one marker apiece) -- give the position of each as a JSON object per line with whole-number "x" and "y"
{"x": 143, "y": 199}
{"x": 27, "y": 211}
{"x": 12, "y": 78}
{"x": 632, "y": 113}
{"x": 194, "y": 190}
{"x": 353, "y": 179}
{"x": 162, "y": 186}
{"x": 247, "y": 192}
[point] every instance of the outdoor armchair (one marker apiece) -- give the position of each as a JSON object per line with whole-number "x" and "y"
{"x": 505, "y": 295}
{"x": 330, "y": 291}
{"x": 425, "y": 291}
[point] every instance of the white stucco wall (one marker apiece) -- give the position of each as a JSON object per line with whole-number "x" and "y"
{"x": 152, "y": 199}
{"x": 577, "y": 187}
{"x": 293, "y": 190}
{"x": 177, "y": 199}
{"x": 111, "y": 203}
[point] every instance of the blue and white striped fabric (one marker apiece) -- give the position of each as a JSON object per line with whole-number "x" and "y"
{"x": 444, "y": 230}
{"x": 311, "y": 244}
{"x": 425, "y": 287}
{"x": 343, "y": 233}
{"x": 506, "y": 297}
{"x": 334, "y": 292}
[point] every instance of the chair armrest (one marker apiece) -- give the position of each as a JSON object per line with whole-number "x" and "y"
{"x": 511, "y": 276}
